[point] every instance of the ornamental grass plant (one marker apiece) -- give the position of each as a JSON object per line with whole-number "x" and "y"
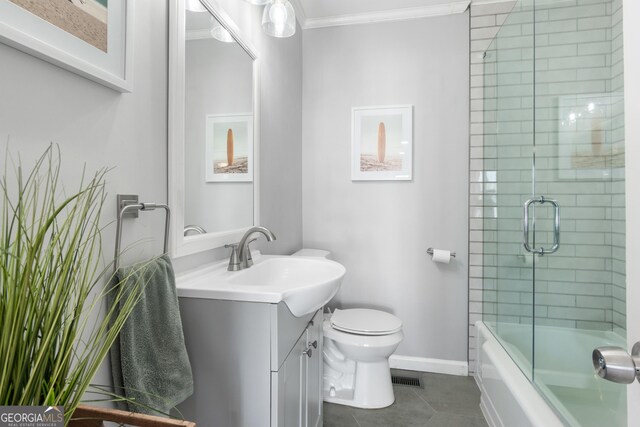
{"x": 53, "y": 335}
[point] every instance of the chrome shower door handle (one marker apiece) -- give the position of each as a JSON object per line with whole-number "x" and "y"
{"x": 525, "y": 228}
{"x": 556, "y": 226}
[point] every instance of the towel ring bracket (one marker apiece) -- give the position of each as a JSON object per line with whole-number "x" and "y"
{"x": 128, "y": 206}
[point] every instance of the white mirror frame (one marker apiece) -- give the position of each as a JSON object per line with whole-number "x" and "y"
{"x": 179, "y": 246}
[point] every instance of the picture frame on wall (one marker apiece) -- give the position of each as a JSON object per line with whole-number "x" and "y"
{"x": 229, "y": 148}
{"x": 382, "y": 143}
{"x": 588, "y": 148}
{"x": 91, "y": 38}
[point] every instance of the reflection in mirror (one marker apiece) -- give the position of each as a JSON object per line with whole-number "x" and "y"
{"x": 218, "y": 131}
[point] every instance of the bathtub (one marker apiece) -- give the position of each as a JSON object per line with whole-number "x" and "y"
{"x": 565, "y": 392}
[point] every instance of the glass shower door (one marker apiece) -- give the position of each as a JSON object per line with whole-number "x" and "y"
{"x": 508, "y": 181}
{"x": 554, "y": 285}
{"x": 579, "y": 161}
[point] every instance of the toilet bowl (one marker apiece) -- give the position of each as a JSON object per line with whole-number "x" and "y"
{"x": 357, "y": 346}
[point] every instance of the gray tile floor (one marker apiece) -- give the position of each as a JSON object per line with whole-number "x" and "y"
{"x": 445, "y": 401}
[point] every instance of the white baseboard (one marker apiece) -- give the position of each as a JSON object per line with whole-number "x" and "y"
{"x": 423, "y": 364}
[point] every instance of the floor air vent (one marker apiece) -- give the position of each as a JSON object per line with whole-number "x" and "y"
{"x": 408, "y": 381}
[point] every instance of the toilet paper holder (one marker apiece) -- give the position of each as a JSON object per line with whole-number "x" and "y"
{"x": 430, "y": 252}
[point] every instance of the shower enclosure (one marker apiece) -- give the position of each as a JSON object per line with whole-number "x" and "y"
{"x": 554, "y": 214}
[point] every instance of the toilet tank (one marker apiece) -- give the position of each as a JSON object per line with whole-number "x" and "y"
{"x": 320, "y": 253}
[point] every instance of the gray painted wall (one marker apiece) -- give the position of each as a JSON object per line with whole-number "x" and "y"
{"x": 281, "y": 142}
{"x": 381, "y": 230}
{"x": 97, "y": 126}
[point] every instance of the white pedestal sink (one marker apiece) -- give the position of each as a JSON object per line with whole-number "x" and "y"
{"x": 254, "y": 339}
{"x": 303, "y": 284}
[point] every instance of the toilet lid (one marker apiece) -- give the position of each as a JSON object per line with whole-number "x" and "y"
{"x": 364, "y": 321}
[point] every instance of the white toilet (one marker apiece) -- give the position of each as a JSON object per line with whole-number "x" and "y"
{"x": 357, "y": 346}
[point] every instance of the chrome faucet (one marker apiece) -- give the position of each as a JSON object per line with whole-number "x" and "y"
{"x": 240, "y": 253}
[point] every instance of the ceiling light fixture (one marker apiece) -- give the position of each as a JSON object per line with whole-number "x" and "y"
{"x": 258, "y": 2}
{"x": 279, "y": 19}
{"x": 220, "y": 33}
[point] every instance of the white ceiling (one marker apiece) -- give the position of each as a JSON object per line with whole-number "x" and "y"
{"x": 325, "y": 13}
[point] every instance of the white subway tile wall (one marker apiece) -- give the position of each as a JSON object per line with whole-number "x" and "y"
{"x": 486, "y": 21}
{"x": 618, "y": 183}
{"x": 579, "y": 160}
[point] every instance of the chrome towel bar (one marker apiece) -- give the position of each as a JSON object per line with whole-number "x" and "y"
{"x": 129, "y": 206}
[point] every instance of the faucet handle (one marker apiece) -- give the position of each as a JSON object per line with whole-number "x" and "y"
{"x": 243, "y": 245}
{"x": 249, "y": 258}
{"x": 234, "y": 260}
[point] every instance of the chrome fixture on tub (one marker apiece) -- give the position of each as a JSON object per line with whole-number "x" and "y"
{"x": 240, "y": 254}
{"x": 615, "y": 364}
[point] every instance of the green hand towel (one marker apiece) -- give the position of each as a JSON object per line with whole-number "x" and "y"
{"x": 149, "y": 361}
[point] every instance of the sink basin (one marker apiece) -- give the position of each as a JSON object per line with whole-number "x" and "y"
{"x": 304, "y": 284}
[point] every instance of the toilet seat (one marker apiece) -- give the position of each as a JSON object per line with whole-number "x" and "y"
{"x": 362, "y": 321}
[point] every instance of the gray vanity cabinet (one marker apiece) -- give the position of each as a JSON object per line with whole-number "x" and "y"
{"x": 314, "y": 369}
{"x": 254, "y": 364}
{"x": 289, "y": 388}
{"x": 296, "y": 386}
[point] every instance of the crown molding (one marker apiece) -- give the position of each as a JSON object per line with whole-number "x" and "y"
{"x": 381, "y": 16}
{"x": 301, "y": 15}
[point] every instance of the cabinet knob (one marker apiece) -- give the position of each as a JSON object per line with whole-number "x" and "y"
{"x": 315, "y": 344}
{"x": 308, "y": 352}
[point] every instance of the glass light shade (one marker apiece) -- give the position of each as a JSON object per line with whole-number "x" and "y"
{"x": 220, "y": 33}
{"x": 194, "y": 6}
{"x": 258, "y": 2}
{"x": 279, "y": 19}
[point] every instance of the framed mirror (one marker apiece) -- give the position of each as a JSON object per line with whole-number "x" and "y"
{"x": 213, "y": 128}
